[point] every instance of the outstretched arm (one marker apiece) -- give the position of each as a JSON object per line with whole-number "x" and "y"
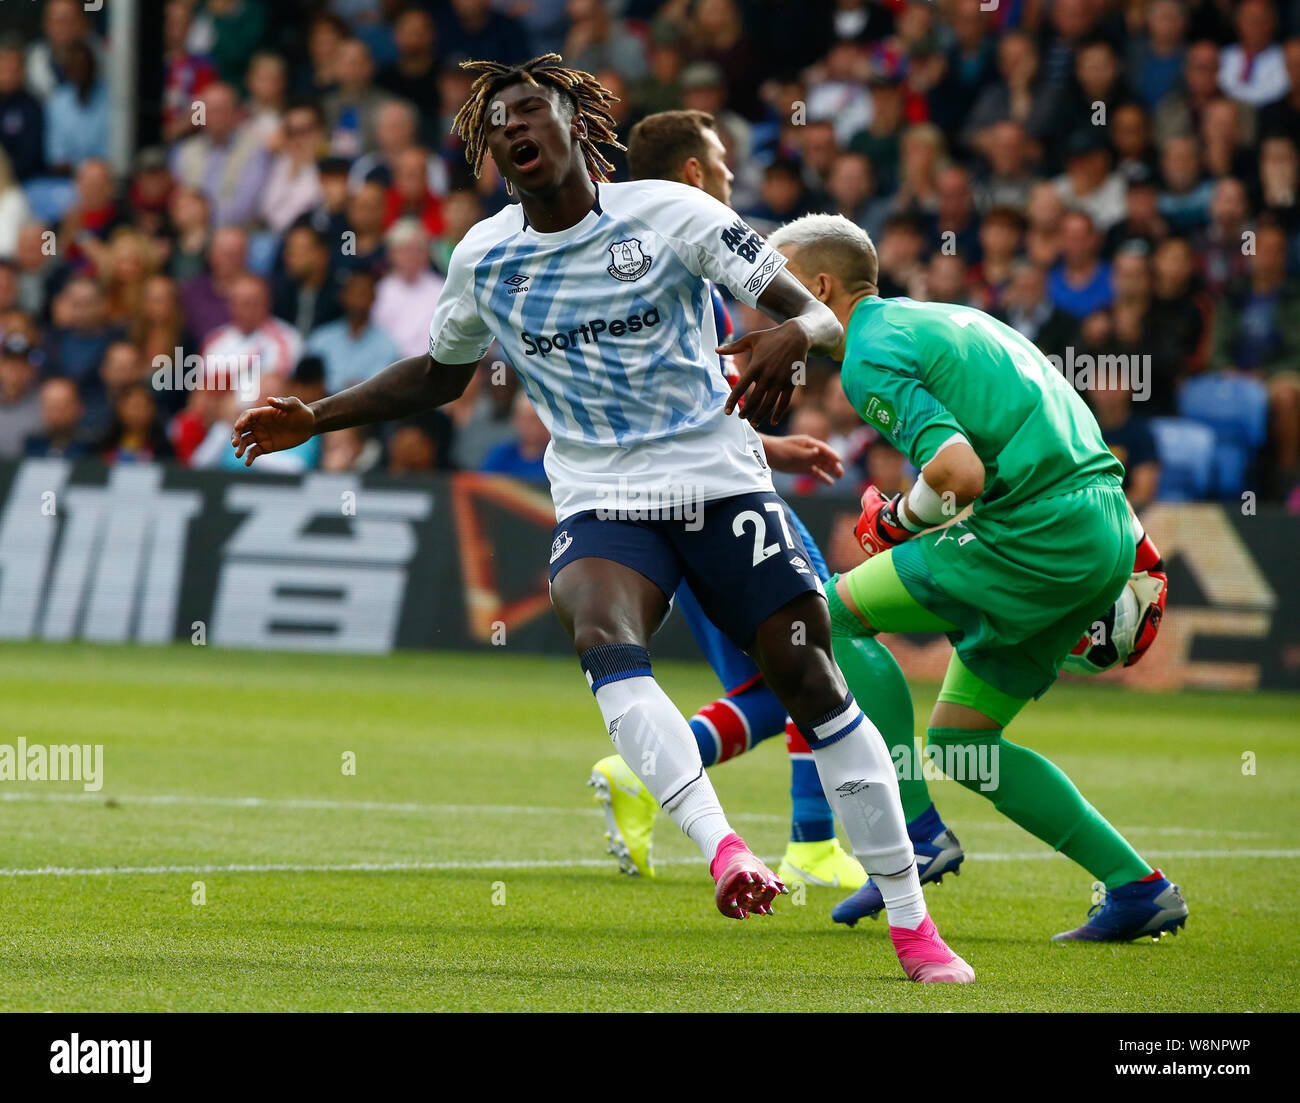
{"x": 409, "y": 386}
{"x": 805, "y": 327}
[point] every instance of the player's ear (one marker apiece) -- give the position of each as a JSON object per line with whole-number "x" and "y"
{"x": 824, "y": 289}
{"x": 578, "y": 127}
{"x": 692, "y": 172}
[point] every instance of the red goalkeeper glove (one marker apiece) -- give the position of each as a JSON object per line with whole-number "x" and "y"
{"x": 879, "y": 527}
{"x": 1151, "y": 584}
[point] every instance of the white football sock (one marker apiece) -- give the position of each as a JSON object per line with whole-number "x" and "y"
{"x": 861, "y": 785}
{"x": 657, "y": 743}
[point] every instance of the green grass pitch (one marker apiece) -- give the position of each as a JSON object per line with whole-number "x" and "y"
{"x": 461, "y": 866}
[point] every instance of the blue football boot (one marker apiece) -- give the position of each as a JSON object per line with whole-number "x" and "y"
{"x": 937, "y": 853}
{"x": 1147, "y": 907}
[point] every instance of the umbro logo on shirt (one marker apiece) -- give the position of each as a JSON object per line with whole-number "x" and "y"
{"x": 518, "y": 283}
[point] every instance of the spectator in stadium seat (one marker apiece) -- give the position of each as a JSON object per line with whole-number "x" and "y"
{"x": 851, "y": 189}
{"x": 268, "y": 85}
{"x": 136, "y": 433}
{"x": 351, "y": 108}
{"x": 124, "y": 266}
{"x": 22, "y": 116}
{"x": 838, "y": 93}
{"x": 61, "y": 434}
{"x": 704, "y": 88}
{"x": 1080, "y": 283}
{"x": 20, "y": 404}
{"x": 123, "y": 366}
{"x": 1258, "y": 331}
{"x": 1002, "y": 232}
{"x": 293, "y": 185}
{"x": 158, "y": 328}
{"x": 272, "y": 346}
{"x": 460, "y": 211}
{"x": 471, "y": 29}
{"x": 956, "y": 225}
{"x": 947, "y": 280}
{"x": 420, "y": 445}
{"x": 14, "y": 210}
{"x": 1017, "y": 95}
{"x": 306, "y": 294}
{"x": 901, "y": 250}
{"x": 190, "y": 233}
{"x": 63, "y": 25}
{"x": 78, "y": 339}
{"x": 149, "y": 192}
{"x": 1155, "y": 59}
{"x": 596, "y": 41}
{"x": 1045, "y": 213}
{"x": 1279, "y": 181}
{"x": 410, "y": 291}
{"x": 1282, "y": 116}
{"x": 204, "y": 298}
{"x": 353, "y": 348}
{"x": 94, "y": 214}
{"x": 396, "y": 129}
{"x": 1180, "y": 111}
{"x": 1129, "y": 436}
{"x": 223, "y": 159}
{"x": 1089, "y": 98}
{"x": 1221, "y": 242}
{"x": 1130, "y": 136}
{"x": 1027, "y": 309}
{"x": 1073, "y": 23}
{"x": 39, "y": 271}
{"x": 1088, "y": 184}
{"x": 186, "y": 74}
{"x": 1253, "y": 69}
{"x": 783, "y": 196}
{"x": 1185, "y": 190}
{"x": 970, "y": 67}
{"x": 413, "y": 76}
{"x": 326, "y": 32}
{"x": 1182, "y": 316}
{"x": 1006, "y": 179}
{"x": 366, "y": 209}
{"x": 410, "y": 195}
{"x": 521, "y": 456}
{"x": 1142, "y": 222}
{"x": 881, "y": 141}
{"x": 230, "y": 31}
{"x": 1224, "y": 150}
{"x": 349, "y": 450}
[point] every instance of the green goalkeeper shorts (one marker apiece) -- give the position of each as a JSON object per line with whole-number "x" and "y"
{"x": 1022, "y": 588}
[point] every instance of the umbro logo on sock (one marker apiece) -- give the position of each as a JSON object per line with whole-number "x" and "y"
{"x": 613, "y": 727}
{"x": 852, "y": 788}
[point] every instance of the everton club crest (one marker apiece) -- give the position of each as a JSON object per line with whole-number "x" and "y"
{"x": 629, "y": 262}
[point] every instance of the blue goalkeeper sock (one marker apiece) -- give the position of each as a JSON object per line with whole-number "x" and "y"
{"x": 811, "y": 819}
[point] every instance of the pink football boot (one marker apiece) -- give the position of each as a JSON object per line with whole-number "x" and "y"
{"x": 744, "y": 883}
{"x": 926, "y": 958}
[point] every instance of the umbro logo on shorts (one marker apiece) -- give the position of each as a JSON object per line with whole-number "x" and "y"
{"x": 560, "y": 545}
{"x": 799, "y": 564}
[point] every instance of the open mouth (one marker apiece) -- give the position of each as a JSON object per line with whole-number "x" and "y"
{"x": 525, "y": 154}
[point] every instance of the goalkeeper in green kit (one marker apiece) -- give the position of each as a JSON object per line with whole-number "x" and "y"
{"x": 1045, "y": 552}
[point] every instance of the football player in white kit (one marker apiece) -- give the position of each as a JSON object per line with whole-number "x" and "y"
{"x": 597, "y": 293}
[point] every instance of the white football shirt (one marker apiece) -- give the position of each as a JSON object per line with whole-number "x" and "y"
{"x": 610, "y": 326}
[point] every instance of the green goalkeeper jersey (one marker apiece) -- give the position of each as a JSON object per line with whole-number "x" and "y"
{"x": 920, "y": 372}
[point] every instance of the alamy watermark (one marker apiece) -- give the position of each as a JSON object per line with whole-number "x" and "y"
{"x": 669, "y": 502}
{"x": 1086, "y": 371}
{"x": 970, "y": 762}
{"x": 83, "y": 762}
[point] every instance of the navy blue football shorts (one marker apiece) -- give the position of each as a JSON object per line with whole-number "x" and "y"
{"x": 743, "y": 556}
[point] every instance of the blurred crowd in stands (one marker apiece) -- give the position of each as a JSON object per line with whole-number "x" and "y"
{"x": 1119, "y": 181}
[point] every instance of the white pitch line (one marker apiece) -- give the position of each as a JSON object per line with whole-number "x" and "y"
{"x": 541, "y": 863}
{"x": 415, "y": 808}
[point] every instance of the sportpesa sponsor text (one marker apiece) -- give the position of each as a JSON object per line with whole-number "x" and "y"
{"x": 588, "y": 332}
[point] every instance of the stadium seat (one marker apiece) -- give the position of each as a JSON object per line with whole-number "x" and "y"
{"x": 49, "y": 197}
{"x": 1186, "y": 451}
{"x": 1235, "y": 407}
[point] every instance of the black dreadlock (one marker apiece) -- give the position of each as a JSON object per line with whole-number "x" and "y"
{"x": 581, "y": 90}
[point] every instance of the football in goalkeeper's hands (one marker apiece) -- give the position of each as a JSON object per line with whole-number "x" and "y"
{"x": 1110, "y": 641}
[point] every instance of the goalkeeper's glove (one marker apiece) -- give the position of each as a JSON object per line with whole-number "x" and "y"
{"x": 879, "y": 528}
{"x": 1151, "y": 584}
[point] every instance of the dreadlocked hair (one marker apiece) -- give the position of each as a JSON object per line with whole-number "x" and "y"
{"x": 582, "y": 90}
